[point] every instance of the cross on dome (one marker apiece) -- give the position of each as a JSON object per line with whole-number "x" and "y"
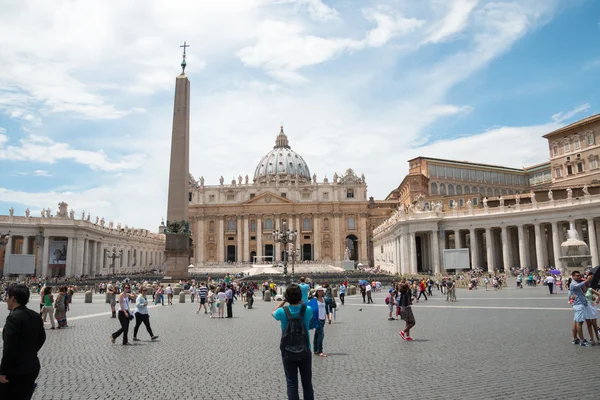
{"x": 282, "y": 140}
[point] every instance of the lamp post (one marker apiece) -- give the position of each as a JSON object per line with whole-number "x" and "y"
{"x": 286, "y": 236}
{"x": 113, "y": 255}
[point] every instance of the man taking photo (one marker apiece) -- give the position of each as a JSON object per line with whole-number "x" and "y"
{"x": 23, "y": 336}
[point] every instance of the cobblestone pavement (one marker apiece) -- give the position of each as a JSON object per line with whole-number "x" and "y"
{"x": 509, "y": 344}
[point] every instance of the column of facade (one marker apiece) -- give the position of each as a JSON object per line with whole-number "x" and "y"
{"x": 317, "y": 241}
{"x": 221, "y": 241}
{"x": 43, "y": 258}
{"x": 538, "y": 246}
{"x": 405, "y": 253}
{"x": 435, "y": 251}
{"x": 70, "y": 257}
{"x": 92, "y": 258}
{"x": 522, "y": 257}
{"x": 556, "y": 245}
{"x": 277, "y": 244}
{"x": 240, "y": 240}
{"x": 336, "y": 237}
{"x": 505, "y": 249}
{"x": 363, "y": 240}
{"x": 457, "y": 239}
{"x": 490, "y": 249}
{"x": 593, "y": 242}
{"x": 7, "y": 253}
{"x": 200, "y": 245}
{"x": 246, "y": 239}
{"x": 259, "y": 248}
{"x": 413, "y": 253}
{"x": 473, "y": 244}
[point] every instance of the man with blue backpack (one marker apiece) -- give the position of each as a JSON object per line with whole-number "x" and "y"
{"x": 295, "y": 319}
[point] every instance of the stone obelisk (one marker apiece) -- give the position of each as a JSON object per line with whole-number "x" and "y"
{"x": 177, "y": 230}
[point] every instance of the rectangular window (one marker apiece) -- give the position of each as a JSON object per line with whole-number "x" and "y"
{"x": 230, "y": 197}
{"x": 456, "y": 173}
{"x": 461, "y": 202}
{"x": 557, "y": 172}
{"x": 555, "y": 150}
{"x": 190, "y": 197}
{"x": 211, "y": 198}
{"x": 475, "y": 201}
{"x": 350, "y": 194}
{"x": 252, "y": 195}
{"x": 432, "y": 171}
{"x": 494, "y": 177}
{"x": 451, "y": 203}
{"x": 590, "y": 139}
{"x": 594, "y": 163}
{"x": 472, "y": 174}
{"x": 569, "y": 170}
{"x": 464, "y": 174}
{"x": 579, "y": 167}
{"x": 284, "y": 195}
{"x": 325, "y": 195}
{"x": 306, "y": 196}
{"x": 479, "y": 176}
{"x": 576, "y": 144}
{"x": 449, "y": 172}
{"x": 487, "y": 177}
{"x": 252, "y": 237}
{"x": 501, "y": 178}
{"x": 567, "y": 147}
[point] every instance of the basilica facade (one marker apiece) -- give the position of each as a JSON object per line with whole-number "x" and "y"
{"x": 236, "y": 221}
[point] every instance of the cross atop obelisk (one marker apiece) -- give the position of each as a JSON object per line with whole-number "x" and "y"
{"x": 183, "y": 62}
{"x": 178, "y": 230}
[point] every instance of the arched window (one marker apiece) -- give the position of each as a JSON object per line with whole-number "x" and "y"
{"x": 459, "y": 189}
{"x": 268, "y": 224}
{"x": 510, "y": 192}
{"x": 350, "y": 224}
{"x": 231, "y": 225}
{"x": 306, "y": 224}
{"x": 504, "y": 192}
{"x": 326, "y": 224}
{"x": 450, "y": 190}
{"x": 482, "y": 191}
{"x": 474, "y": 190}
{"x": 467, "y": 190}
{"x": 253, "y": 225}
{"x": 434, "y": 188}
{"x": 211, "y": 227}
{"x": 442, "y": 189}
{"x": 490, "y": 192}
{"x": 497, "y": 193}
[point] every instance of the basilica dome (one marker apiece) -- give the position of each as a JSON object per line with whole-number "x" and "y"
{"x": 282, "y": 163}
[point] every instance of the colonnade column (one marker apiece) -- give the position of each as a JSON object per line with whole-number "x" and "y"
{"x": 259, "y": 248}
{"x": 522, "y": 249}
{"x": 473, "y": 243}
{"x": 435, "y": 251}
{"x": 457, "y": 239}
{"x": 505, "y": 249}
{"x": 221, "y": 242}
{"x": 404, "y": 253}
{"x": 44, "y": 256}
{"x": 69, "y": 261}
{"x": 240, "y": 245}
{"x": 413, "y": 253}
{"x": 7, "y": 253}
{"x": 593, "y": 242}
{"x": 25, "y": 249}
{"x": 85, "y": 256}
{"x": 246, "y": 239}
{"x": 538, "y": 246}
{"x": 490, "y": 249}
{"x": 556, "y": 245}
{"x": 317, "y": 236}
{"x": 92, "y": 258}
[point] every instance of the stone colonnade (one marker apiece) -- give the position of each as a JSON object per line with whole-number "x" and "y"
{"x": 497, "y": 238}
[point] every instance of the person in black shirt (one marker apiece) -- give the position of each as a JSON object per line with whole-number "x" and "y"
{"x": 406, "y": 313}
{"x": 23, "y": 337}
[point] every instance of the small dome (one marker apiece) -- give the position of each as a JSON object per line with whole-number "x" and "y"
{"x": 283, "y": 162}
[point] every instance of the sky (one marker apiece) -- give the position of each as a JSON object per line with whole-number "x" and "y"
{"x": 86, "y": 90}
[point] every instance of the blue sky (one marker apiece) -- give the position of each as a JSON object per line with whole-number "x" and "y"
{"x": 86, "y": 92}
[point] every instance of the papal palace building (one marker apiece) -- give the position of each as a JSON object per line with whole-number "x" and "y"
{"x": 506, "y": 217}
{"x": 235, "y": 221}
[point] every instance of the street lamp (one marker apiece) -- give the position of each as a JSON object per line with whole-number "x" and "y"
{"x": 113, "y": 255}
{"x": 286, "y": 236}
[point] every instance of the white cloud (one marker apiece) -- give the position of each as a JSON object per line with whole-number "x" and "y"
{"x": 454, "y": 21}
{"x": 45, "y": 150}
{"x": 563, "y": 116}
{"x": 389, "y": 24}
{"x": 41, "y": 172}
{"x": 316, "y": 9}
{"x": 591, "y": 65}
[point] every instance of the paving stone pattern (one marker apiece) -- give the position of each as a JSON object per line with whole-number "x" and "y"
{"x": 458, "y": 353}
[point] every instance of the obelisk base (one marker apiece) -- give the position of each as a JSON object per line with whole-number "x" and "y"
{"x": 177, "y": 264}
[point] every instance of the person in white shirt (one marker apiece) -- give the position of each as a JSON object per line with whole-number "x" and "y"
{"x": 192, "y": 293}
{"x": 369, "y": 298}
{"x": 550, "y": 283}
{"x": 170, "y": 295}
{"x": 221, "y": 302}
{"x": 141, "y": 315}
